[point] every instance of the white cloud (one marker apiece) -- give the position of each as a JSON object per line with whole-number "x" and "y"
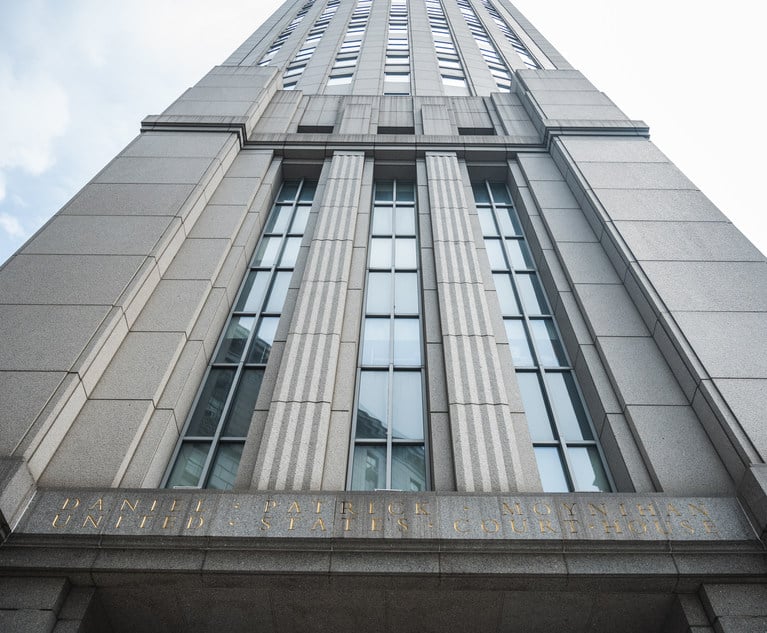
{"x": 11, "y": 225}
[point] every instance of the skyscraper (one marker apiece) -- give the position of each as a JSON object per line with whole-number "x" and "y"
{"x": 391, "y": 322}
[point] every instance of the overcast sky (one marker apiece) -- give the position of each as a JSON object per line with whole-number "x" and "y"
{"x": 77, "y": 77}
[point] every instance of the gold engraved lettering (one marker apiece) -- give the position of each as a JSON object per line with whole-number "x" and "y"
{"x": 494, "y": 526}
{"x": 637, "y": 527}
{"x": 686, "y": 525}
{"x": 270, "y": 505}
{"x": 593, "y": 510}
{"x": 650, "y": 509}
{"x": 514, "y": 527}
{"x": 319, "y": 523}
{"x": 93, "y": 522}
{"x": 392, "y": 511}
{"x": 318, "y": 507}
{"x": 457, "y": 529}
{"x": 292, "y": 523}
{"x": 710, "y": 527}
{"x": 74, "y": 501}
{"x": 665, "y": 529}
{"x": 199, "y": 506}
{"x": 671, "y": 509}
{"x": 614, "y": 526}
{"x": 98, "y": 505}
{"x": 265, "y": 524}
{"x": 294, "y": 507}
{"x": 546, "y": 507}
{"x": 402, "y": 524}
{"x": 119, "y": 521}
{"x": 420, "y": 507}
{"x": 371, "y": 508}
{"x": 172, "y": 505}
{"x": 545, "y": 526}
{"x": 144, "y": 519}
{"x": 131, "y": 506}
{"x": 57, "y": 521}
{"x": 697, "y": 509}
{"x": 505, "y": 509}
{"x": 347, "y": 506}
{"x": 168, "y": 522}
{"x": 375, "y": 526}
{"x": 570, "y": 508}
{"x": 622, "y": 508}
{"x": 154, "y": 505}
{"x": 573, "y": 525}
{"x": 347, "y": 524}
{"x": 190, "y": 523}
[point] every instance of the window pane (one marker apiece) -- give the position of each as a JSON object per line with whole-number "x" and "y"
{"x": 486, "y": 222}
{"x": 506, "y": 297}
{"x": 519, "y": 254}
{"x": 243, "y": 403}
{"x": 267, "y": 251}
{"x": 307, "y": 193}
{"x": 550, "y": 351}
{"x": 375, "y": 342}
{"x": 404, "y": 253}
{"x": 233, "y": 345}
{"x": 380, "y": 252}
{"x": 189, "y": 464}
{"x": 407, "y": 406}
{"x": 369, "y": 469}
{"x": 405, "y": 191}
{"x": 531, "y": 293}
{"x": 378, "y": 293}
{"x": 262, "y": 341}
{"x": 278, "y": 219}
{"x": 408, "y": 468}
{"x": 521, "y": 353}
{"x": 225, "y": 466}
{"x": 372, "y": 406}
{"x": 407, "y": 342}
{"x": 535, "y": 407}
{"x": 385, "y": 191}
{"x": 382, "y": 221}
{"x": 507, "y": 218}
{"x": 495, "y": 254}
{"x": 480, "y": 192}
{"x": 278, "y": 292}
{"x": 405, "y": 293}
{"x": 290, "y": 252}
{"x": 567, "y": 407}
{"x": 211, "y": 404}
{"x": 550, "y": 468}
{"x": 252, "y": 295}
{"x": 288, "y": 191}
{"x": 588, "y": 471}
{"x": 300, "y": 219}
{"x": 500, "y": 193}
{"x": 405, "y": 223}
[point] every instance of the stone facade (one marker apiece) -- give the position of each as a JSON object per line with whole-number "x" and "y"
{"x": 111, "y": 314}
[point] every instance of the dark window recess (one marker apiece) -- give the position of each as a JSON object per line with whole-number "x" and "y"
{"x": 315, "y": 129}
{"x": 476, "y": 131}
{"x": 395, "y": 129}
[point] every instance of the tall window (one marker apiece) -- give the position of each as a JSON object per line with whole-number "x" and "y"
{"x": 499, "y": 70}
{"x": 297, "y": 66}
{"x": 508, "y": 32}
{"x": 348, "y": 55}
{"x": 397, "y": 68}
{"x": 208, "y": 454}
{"x": 450, "y": 66}
{"x": 388, "y": 438}
{"x": 285, "y": 34}
{"x": 568, "y": 455}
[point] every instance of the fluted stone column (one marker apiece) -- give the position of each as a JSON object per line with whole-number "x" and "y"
{"x": 292, "y": 452}
{"x": 487, "y": 447}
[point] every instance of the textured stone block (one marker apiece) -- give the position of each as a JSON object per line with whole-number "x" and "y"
{"x": 174, "y": 144}
{"x": 612, "y": 150}
{"x": 553, "y": 194}
{"x": 129, "y": 199}
{"x": 173, "y": 306}
{"x": 141, "y": 367}
{"x": 198, "y": 259}
{"x": 568, "y": 225}
{"x": 639, "y": 372}
{"x": 219, "y": 221}
{"x": 148, "y": 170}
{"x": 32, "y": 593}
{"x": 80, "y": 280}
{"x": 587, "y": 263}
{"x": 609, "y": 310}
{"x": 659, "y": 205}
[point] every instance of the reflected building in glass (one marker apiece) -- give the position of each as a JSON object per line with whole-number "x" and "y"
{"x": 393, "y": 321}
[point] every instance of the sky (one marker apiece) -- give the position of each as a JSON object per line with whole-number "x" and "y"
{"x": 77, "y": 77}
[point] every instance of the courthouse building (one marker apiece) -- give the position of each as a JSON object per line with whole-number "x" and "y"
{"x": 392, "y": 322}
